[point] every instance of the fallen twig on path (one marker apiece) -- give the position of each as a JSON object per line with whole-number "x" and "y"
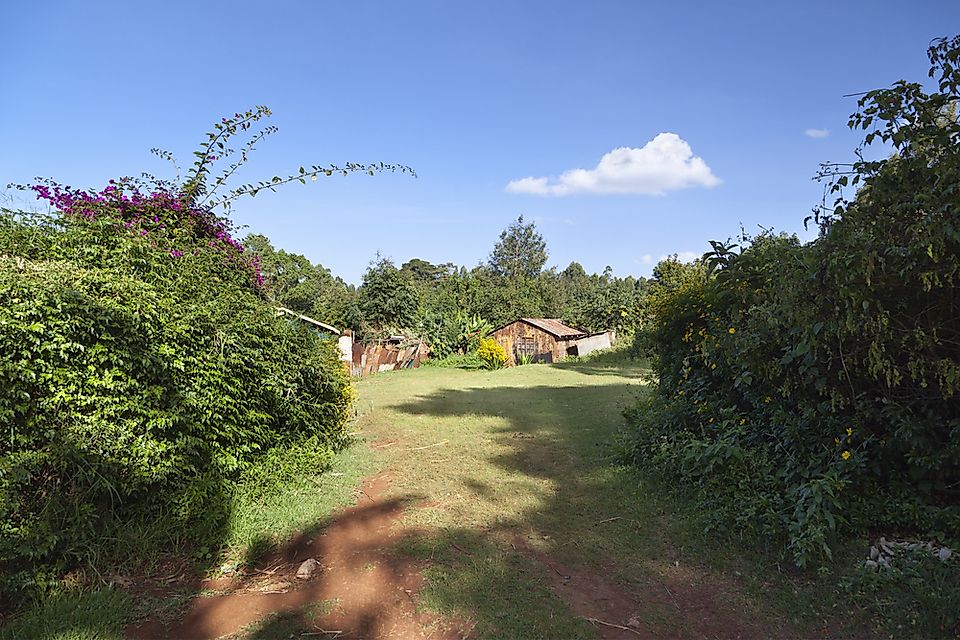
{"x": 670, "y": 593}
{"x": 565, "y": 577}
{"x": 269, "y": 571}
{"x": 610, "y": 624}
{"x": 610, "y": 519}
{"x": 435, "y": 444}
{"x": 460, "y": 549}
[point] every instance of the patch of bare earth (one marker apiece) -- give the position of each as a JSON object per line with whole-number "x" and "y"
{"x": 358, "y": 590}
{"x": 680, "y": 605}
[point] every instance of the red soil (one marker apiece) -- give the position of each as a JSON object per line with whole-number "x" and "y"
{"x": 360, "y": 590}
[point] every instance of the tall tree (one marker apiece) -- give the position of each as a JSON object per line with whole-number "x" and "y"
{"x": 521, "y": 251}
{"x": 424, "y": 273}
{"x": 388, "y": 297}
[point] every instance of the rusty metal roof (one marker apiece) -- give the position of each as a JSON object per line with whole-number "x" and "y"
{"x": 554, "y": 327}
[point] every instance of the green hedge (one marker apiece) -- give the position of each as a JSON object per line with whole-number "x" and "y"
{"x": 144, "y": 374}
{"x": 811, "y": 391}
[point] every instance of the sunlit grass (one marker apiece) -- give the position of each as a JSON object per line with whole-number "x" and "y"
{"x": 528, "y": 454}
{"x": 523, "y": 452}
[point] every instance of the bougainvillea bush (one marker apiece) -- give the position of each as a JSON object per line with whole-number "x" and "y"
{"x": 808, "y": 392}
{"x": 145, "y": 373}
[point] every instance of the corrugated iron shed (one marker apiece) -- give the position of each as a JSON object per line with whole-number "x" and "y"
{"x": 540, "y": 339}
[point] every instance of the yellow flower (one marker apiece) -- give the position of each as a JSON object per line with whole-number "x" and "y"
{"x": 731, "y": 331}
{"x": 768, "y": 400}
{"x": 713, "y": 366}
{"x": 743, "y": 421}
{"x": 849, "y": 431}
{"x": 845, "y": 455}
{"x": 837, "y": 441}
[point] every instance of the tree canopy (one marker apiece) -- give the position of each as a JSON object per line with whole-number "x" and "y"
{"x": 521, "y": 251}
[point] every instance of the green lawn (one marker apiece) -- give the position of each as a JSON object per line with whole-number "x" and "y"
{"x": 514, "y": 475}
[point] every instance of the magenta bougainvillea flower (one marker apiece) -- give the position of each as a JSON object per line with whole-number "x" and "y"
{"x": 166, "y": 217}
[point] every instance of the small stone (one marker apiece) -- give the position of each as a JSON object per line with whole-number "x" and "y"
{"x": 871, "y": 564}
{"x": 307, "y": 569}
{"x": 634, "y": 623}
{"x": 874, "y": 553}
{"x": 944, "y": 554}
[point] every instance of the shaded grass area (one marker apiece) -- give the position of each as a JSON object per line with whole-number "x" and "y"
{"x": 528, "y": 456}
{"x": 261, "y": 518}
{"x": 517, "y": 466}
{"x": 285, "y": 625}
{"x": 94, "y": 615}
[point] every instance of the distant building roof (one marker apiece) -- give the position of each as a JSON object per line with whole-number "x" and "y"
{"x": 309, "y": 320}
{"x": 553, "y": 326}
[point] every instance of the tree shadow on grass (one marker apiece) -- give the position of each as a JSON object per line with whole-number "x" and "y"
{"x": 599, "y": 368}
{"x": 593, "y": 534}
{"x": 353, "y": 589}
{"x": 613, "y": 362}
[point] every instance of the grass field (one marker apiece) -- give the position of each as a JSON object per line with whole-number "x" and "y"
{"x": 518, "y": 516}
{"x": 514, "y": 473}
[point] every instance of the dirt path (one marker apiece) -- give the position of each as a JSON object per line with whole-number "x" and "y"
{"x": 359, "y": 590}
{"x": 494, "y": 515}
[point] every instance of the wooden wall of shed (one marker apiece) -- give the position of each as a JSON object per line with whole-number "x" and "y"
{"x": 547, "y": 347}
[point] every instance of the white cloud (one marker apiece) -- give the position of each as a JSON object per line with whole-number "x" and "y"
{"x": 817, "y": 133}
{"x": 682, "y": 256}
{"x": 664, "y": 164}
{"x": 646, "y": 259}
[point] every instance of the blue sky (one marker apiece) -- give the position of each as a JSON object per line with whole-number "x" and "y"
{"x": 476, "y": 97}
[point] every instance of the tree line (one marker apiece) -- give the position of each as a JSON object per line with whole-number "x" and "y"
{"x": 444, "y": 302}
